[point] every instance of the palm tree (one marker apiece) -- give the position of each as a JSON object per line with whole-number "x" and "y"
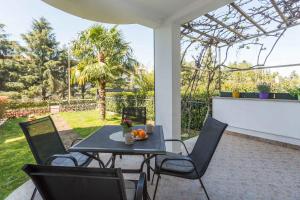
{"x": 103, "y": 57}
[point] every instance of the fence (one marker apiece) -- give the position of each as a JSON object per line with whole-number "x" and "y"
{"x": 113, "y": 104}
{"x": 193, "y": 114}
{"x": 23, "y": 109}
{"x": 78, "y": 107}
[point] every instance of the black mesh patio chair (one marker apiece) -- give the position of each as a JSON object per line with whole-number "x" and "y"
{"x": 136, "y": 114}
{"x": 194, "y": 164}
{"x": 78, "y": 183}
{"x": 47, "y": 147}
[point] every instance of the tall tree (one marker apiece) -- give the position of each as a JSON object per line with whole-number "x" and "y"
{"x": 5, "y": 45}
{"x": 10, "y": 69}
{"x": 4, "y": 48}
{"x": 144, "y": 80}
{"x": 43, "y": 53}
{"x": 103, "y": 57}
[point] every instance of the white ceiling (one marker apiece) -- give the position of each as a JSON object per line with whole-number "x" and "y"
{"x": 149, "y": 13}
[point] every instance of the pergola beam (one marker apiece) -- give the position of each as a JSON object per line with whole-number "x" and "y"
{"x": 262, "y": 34}
{"x": 195, "y": 38}
{"x": 265, "y": 67}
{"x": 192, "y": 37}
{"x": 219, "y": 40}
{"x": 237, "y": 8}
{"x": 284, "y": 19}
{"x": 224, "y": 25}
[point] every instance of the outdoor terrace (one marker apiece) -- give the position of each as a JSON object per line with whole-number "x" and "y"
{"x": 242, "y": 168}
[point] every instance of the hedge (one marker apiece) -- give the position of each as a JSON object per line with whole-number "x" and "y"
{"x": 116, "y": 103}
{"x": 38, "y": 104}
{"x": 193, "y": 112}
{"x": 28, "y": 104}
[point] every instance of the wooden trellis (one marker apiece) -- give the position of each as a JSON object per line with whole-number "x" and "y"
{"x": 241, "y": 22}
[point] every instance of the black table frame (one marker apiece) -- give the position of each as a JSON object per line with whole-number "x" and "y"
{"x": 151, "y": 147}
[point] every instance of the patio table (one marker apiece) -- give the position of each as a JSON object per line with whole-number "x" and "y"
{"x": 104, "y": 140}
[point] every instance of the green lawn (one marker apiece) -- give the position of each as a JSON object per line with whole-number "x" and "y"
{"x": 14, "y": 150}
{"x": 86, "y": 122}
{"x": 14, "y": 153}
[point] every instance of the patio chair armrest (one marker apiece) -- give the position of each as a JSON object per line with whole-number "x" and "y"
{"x": 74, "y": 141}
{"x": 53, "y": 157}
{"x": 180, "y": 141}
{"x": 144, "y": 161}
{"x": 141, "y": 188}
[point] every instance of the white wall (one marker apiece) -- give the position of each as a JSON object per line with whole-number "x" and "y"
{"x": 271, "y": 119}
{"x": 167, "y": 81}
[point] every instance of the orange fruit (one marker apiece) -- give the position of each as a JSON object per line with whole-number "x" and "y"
{"x": 142, "y": 134}
{"x": 134, "y": 133}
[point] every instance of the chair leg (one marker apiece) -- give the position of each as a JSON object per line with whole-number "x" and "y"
{"x": 33, "y": 194}
{"x": 145, "y": 192}
{"x": 113, "y": 161}
{"x": 158, "y": 177}
{"x": 97, "y": 156}
{"x": 148, "y": 197}
{"x": 152, "y": 178}
{"x": 202, "y": 185}
{"x": 148, "y": 168}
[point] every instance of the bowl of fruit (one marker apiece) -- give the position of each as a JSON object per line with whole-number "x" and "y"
{"x": 139, "y": 134}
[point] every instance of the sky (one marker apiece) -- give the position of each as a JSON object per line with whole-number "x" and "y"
{"x": 17, "y": 15}
{"x": 287, "y": 51}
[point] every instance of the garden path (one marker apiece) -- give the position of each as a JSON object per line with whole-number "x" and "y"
{"x": 2, "y": 121}
{"x": 65, "y": 131}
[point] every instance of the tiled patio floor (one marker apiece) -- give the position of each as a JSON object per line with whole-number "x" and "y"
{"x": 241, "y": 168}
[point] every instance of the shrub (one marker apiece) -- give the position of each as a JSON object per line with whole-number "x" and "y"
{"x": 26, "y": 112}
{"x": 14, "y": 86}
{"x": 11, "y": 95}
{"x": 295, "y": 92}
{"x": 116, "y": 101}
{"x": 263, "y": 87}
{"x": 16, "y": 104}
{"x": 27, "y": 104}
{"x": 3, "y": 104}
{"x": 193, "y": 114}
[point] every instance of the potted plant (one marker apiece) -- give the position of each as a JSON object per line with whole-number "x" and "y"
{"x": 264, "y": 90}
{"x": 235, "y": 93}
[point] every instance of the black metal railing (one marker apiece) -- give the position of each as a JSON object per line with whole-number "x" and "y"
{"x": 193, "y": 115}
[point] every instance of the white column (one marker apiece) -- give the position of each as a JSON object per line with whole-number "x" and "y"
{"x": 167, "y": 82}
